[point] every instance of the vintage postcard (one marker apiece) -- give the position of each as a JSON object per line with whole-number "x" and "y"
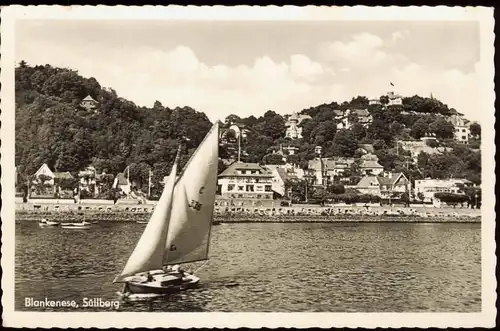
{"x": 252, "y": 166}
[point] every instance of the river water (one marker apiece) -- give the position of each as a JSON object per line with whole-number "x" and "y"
{"x": 263, "y": 267}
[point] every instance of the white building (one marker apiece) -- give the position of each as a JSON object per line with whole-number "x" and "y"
{"x": 394, "y": 99}
{"x": 429, "y": 187}
{"x": 342, "y": 117}
{"x": 246, "y": 181}
{"x": 293, "y": 128}
{"x": 462, "y": 130}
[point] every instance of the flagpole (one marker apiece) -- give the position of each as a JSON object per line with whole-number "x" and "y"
{"x": 149, "y": 184}
{"x": 239, "y": 147}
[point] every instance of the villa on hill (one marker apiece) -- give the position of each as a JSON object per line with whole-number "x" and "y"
{"x": 292, "y": 124}
{"x": 343, "y": 117}
{"x": 89, "y": 103}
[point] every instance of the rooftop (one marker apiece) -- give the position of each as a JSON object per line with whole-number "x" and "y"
{"x": 89, "y": 98}
{"x": 236, "y": 170}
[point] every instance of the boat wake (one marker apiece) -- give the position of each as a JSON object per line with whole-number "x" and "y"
{"x": 139, "y": 296}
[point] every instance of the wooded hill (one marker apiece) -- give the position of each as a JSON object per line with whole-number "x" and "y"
{"x": 52, "y": 127}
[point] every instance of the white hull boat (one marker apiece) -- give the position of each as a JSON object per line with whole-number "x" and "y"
{"x": 80, "y": 226}
{"x": 178, "y": 231}
{"x": 48, "y": 224}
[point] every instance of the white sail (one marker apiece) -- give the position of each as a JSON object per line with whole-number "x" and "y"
{"x": 150, "y": 250}
{"x": 193, "y": 204}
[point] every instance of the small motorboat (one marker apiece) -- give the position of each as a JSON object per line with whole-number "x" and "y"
{"x": 43, "y": 223}
{"x": 142, "y": 222}
{"x": 81, "y": 226}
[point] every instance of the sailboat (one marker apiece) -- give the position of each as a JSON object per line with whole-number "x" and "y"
{"x": 179, "y": 229}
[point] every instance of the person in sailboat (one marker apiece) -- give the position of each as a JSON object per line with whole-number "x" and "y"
{"x": 149, "y": 277}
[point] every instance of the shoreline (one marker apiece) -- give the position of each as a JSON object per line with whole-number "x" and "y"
{"x": 127, "y": 216}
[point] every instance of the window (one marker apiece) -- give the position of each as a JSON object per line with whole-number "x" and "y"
{"x": 463, "y": 130}
{"x": 241, "y": 188}
{"x": 464, "y": 138}
{"x": 240, "y": 196}
{"x": 230, "y": 187}
{"x": 268, "y": 188}
{"x": 249, "y": 188}
{"x": 259, "y": 196}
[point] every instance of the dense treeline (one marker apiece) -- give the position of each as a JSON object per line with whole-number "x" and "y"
{"x": 52, "y": 128}
{"x": 415, "y": 118}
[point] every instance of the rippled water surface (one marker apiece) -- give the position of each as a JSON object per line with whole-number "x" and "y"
{"x": 341, "y": 267}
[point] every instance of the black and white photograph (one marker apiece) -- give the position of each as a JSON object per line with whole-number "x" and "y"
{"x": 322, "y": 165}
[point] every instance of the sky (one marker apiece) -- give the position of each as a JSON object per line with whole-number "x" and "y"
{"x": 249, "y": 67}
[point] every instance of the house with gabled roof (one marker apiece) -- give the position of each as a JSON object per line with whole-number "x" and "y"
{"x": 371, "y": 167}
{"x": 389, "y": 186}
{"x": 45, "y": 171}
{"x": 281, "y": 175}
{"x": 53, "y": 175}
{"x": 89, "y": 103}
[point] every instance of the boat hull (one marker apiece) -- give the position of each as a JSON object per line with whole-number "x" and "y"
{"x": 48, "y": 225}
{"x": 157, "y": 286}
{"x": 77, "y": 227}
{"x": 81, "y": 226}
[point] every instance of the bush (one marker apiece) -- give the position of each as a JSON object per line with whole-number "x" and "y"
{"x": 452, "y": 198}
{"x": 84, "y": 194}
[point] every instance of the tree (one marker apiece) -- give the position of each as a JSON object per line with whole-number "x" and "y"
{"x": 422, "y": 160}
{"x": 475, "y": 129}
{"x": 442, "y": 129}
{"x": 296, "y": 188}
{"x": 405, "y": 198}
{"x": 419, "y": 129}
{"x": 66, "y": 183}
{"x": 384, "y": 100}
{"x": 396, "y": 128}
{"x": 158, "y": 106}
{"x": 359, "y": 131}
{"x": 231, "y": 119}
{"x": 273, "y": 159}
{"x": 336, "y": 189}
{"x": 345, "y": 143}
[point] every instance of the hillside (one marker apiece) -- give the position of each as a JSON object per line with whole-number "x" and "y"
{"x": 415, "y": 118}
{"x": 53, "y": 127}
